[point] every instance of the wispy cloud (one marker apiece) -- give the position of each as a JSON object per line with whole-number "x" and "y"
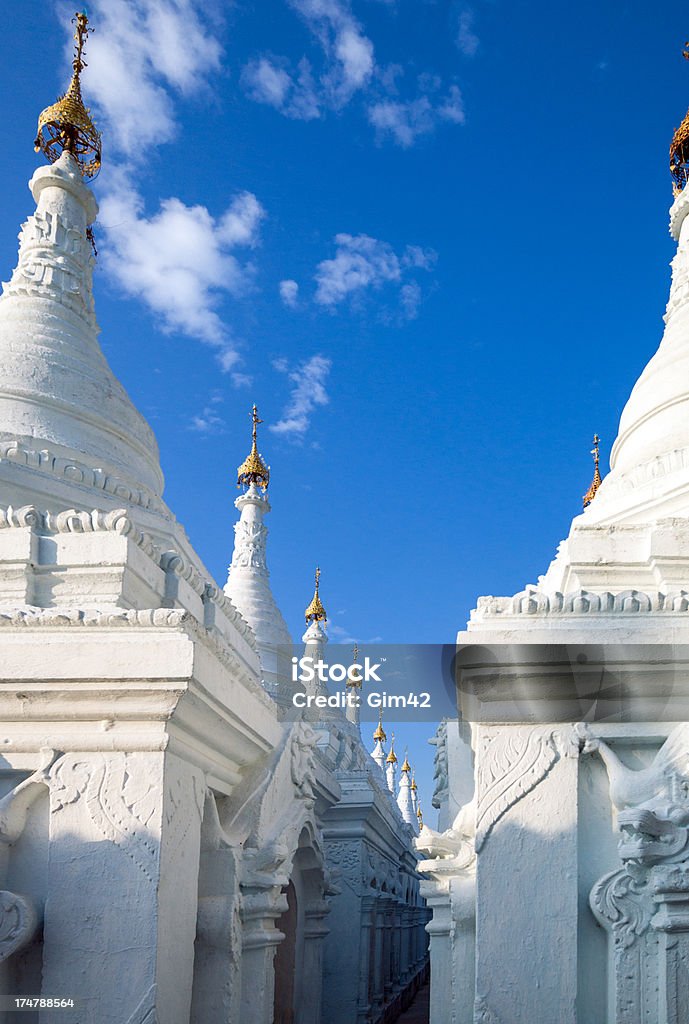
{"x": 289, "y": 293}
{"x": 209, "y": 420}
{"x": 406, "y": 121}
{"x": 180, "y": 260}
{"x": 349, "y": 68}
{"x": 308, "y": 391}
{"x": 467, "y": 40}
{"x": 362, "y": 264}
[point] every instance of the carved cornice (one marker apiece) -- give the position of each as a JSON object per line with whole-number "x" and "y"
{"x": 118, "y": 521}
{"x": 533, "y": 601}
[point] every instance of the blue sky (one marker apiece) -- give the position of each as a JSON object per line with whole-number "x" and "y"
{"x": 428, "y": 238}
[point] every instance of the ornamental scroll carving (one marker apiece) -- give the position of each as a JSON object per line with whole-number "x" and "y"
{"x": 512, "y": 762}
{"x": 120, "y": 801}
{"x": 644, "y": 905}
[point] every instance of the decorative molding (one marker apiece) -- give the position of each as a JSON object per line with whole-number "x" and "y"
{"x": 53, "y": 618}
{"x": 511, "y": 763}
{"x": 73, "y": 471}
{"x": 118, "y": 521}
{"x": 533, "y": 601}
{"x": 18, "y": 923}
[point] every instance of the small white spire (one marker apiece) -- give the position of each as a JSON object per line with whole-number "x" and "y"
{"x": 378, "y": 752}
{"x": 391, "y": 766}
{"x": 405, "y": 800}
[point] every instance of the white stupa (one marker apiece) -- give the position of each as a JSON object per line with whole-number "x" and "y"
{"x": 248, "y": 581}
{"x": 405, "y": 797}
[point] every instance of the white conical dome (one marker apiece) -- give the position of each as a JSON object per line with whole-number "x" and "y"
{"x": 62, "y": 412}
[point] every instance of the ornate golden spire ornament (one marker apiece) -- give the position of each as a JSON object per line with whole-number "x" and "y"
{"x": 315, "y": 611}
{"x": 679, "y": 149}
{"x": 406, "y": 767}
{"x": 253, "y": 470}
{"x": 66, "y": 124}
{"x": 392, "y": 756}
{"x": 355, "y": 680}
{"x": 419, "y": 815}
{"x": 414, "y": 787}
{"x": 379, "y": 735}
{"x": 597, "y": 481}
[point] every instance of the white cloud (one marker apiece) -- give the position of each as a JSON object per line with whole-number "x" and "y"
{"x": 308, "y": 391}
{"x": 209, "y": 421}
{"x": 348, "y": 64}
{"x": 405, "y": 121}
{"x": 268, "y": 80}
{"x": 349, "y": 68}
{"x": 289, "y": 293}
{"x": 140, "y": 51}
{"x": 467, "y": 40}
{"x": 362, "y": 264}
{"x": 180, "y": 261}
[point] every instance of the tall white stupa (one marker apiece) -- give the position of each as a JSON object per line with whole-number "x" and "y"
{"x": 248, "y": 581}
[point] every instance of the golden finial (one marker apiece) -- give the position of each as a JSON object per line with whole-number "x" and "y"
{"x": 414, "y": 787}
{"x": 315, "y": 611}
{"x": 419, "y": 815}
{"x": 679, "y": 149}
{"x": 351, "y": 680}
{"x": 406, "y": 767}
{"x": 253, "y": 470}
{"x": 67, "y": 124}
{"x": 596, "y": 482}
{"x": 392, "y": 756}
{"x": 379, "y": 735}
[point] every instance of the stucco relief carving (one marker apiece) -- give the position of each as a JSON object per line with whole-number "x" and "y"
{"x": 511, "y": 763}
{"x": 344, "y": 861}
{"x": 303, "y": 760}
{"x": 649, "y": 895}
{"x": 440, "y": 768}
{"x": 18, "y": 923}
{"x": 19, "y": 917}
{"x": 250, "y": 546}
{"x": 55, "y": 261}
{"x": 120, "y": 801}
